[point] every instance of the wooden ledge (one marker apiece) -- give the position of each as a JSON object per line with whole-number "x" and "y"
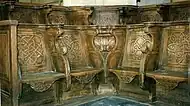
{"x": 126, "y": 75}
{"x": 85, "y": 71}
{"x": 42, "y": 76}
{"x": 169, "y": 75}
{"x": 126, "y": 70}
{"x": 168, "y": 80}
{"x": 8, "y": 22}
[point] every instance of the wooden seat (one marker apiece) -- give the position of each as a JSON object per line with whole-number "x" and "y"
{"x": 170, "y": 75}
{"x": 71, "y": 42}
{"x": 30, "y": 62}
{"x": 45, "y": 76}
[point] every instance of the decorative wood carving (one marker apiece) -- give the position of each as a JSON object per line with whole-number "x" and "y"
{"x": 72, "y": 40}
{"x": 105, "y": 16}
{"x": 31, "y": 54}
{"x": 134, "y": 45}
{"x": 177, "y": 41}
{"x": 85, "y": 79}
{"x": 125, "y": 76}
{"x": 57, "y": 15}
{"x": 26, "y": 13}
{"x": 40, "y": 86}
{"x": 179, "y": 12}
{"x": 116, "y": 54}
{"x": 151, "y": 16}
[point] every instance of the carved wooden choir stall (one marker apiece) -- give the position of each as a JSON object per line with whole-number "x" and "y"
{"x": 55, "y": 53}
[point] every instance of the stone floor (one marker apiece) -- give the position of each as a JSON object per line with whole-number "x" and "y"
{"x": 109, "y": 101}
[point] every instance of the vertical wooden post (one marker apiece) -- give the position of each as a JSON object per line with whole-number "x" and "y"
{"x": 13, "y": 62}
{"x": 189, "y": 60}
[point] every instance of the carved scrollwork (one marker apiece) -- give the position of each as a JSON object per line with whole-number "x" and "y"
{"x": 126, "y": 77}
{"x": 177, "y": 13}
{"x": 25, "y": 15}
{"x": 40, "y": 86}
{"x": 70, "y": 43}
{"x": 178, "y": 47}
{"x": 104, "y": 17}
{"x": 105, "y": 40}
{"x": 104, "y": 43}
{"x": 85, "y": 78}
{"x": 137, "y": 43}
{"x": 167, "y": 84}
{"x": 153, "y": 16}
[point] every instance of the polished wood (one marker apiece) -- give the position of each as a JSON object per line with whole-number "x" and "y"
{"x": 76, "y": 51}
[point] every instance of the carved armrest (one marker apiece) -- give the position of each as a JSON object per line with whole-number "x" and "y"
{"x": 62, "y": 51}
{"x": 146, "y": 51}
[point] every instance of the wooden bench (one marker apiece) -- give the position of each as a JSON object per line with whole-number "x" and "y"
{"x": 81, "y": 65}
{"x": 30, "y": 62}
{"x": 139, "y": 54}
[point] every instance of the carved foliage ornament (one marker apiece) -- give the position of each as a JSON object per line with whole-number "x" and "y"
{"x": 104, "y": 40}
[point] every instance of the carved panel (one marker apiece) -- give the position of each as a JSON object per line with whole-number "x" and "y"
{"x": 177, "y": 51}
{"x": 151, "y": 16}
{"x": 79, "y": 16}
{"x": 94, "y": 56}
{"x": 27, "y": 15}
{"x": 57, "y": 16}
{"x": 129, "y": 15}
{"x": 125, "y": 76}
{"x": 179, "y": 13}
{"x": 167, "y": 84}
{"x": 31, "y": 50}
{"x": 102, "y": 16}
{"x": 76, "y": 50}
{"x": 87, "y": 78}
{"x": 137, "y": 40}
{"x": 4, "y": 58}
{"x": 115, "y": 56}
